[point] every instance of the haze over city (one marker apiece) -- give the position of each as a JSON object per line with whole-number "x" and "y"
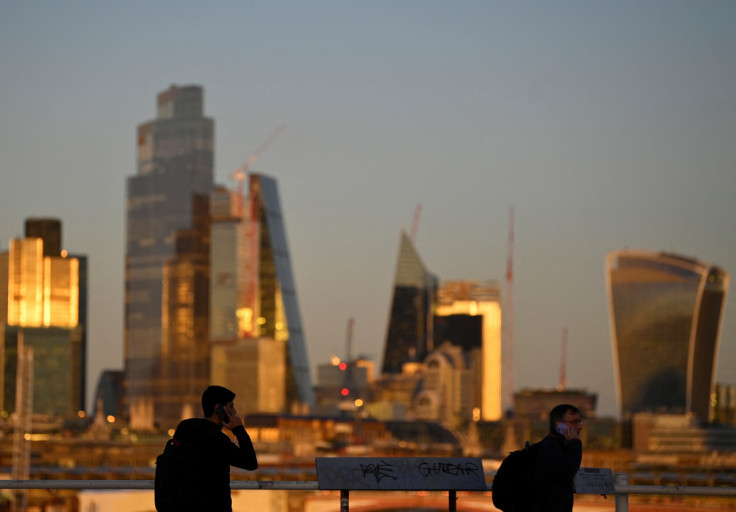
{"x": 603, "y": 125}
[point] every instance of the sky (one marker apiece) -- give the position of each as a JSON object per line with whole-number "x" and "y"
{"x": 603, "y": 125}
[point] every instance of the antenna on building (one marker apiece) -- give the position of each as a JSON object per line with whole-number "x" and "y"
{"x": 510, "y": 314}
{"x": 347, "y": 365}
{"x": 415, "y": 222}
{"x": 563, "y": 363}
{"x": 349, "y": 341}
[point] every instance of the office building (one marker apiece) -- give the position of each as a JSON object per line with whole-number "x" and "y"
{"x": 341, "y": 383}
{"x": 109, "y": 394}
{"x": 724, "y": 405}
{"x": 410, "y": 329}
{"x": 43, "y": 312}
{"x": 258, "y": 346}
{"x": 48, "y": 230}
{"x": 468, "y": 315}
{"x": 665, "y": 316}
{"x": 167, "y": 262}
{"x": 535, "y": 404}
{"x": 448, "y": 392}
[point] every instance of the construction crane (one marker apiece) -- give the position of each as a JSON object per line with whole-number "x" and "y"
{"x": 510, "y": 314}
{"x": 563, "y": 362}
{"x": 248, "y": 295}
{"x": 241, "y": 172}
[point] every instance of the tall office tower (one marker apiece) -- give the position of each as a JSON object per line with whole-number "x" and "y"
{"x": 468, "y": 314}
{"x": 44, "y": 310}
{"x": 409, "y": 337}
{"x": 258, "y": 347}
{"x": 48, "y": 230}
{"x": 666, "y": 312}
{"x": 167, "y": 262}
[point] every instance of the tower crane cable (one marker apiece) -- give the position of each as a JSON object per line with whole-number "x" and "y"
{"x": 241, "y": 172}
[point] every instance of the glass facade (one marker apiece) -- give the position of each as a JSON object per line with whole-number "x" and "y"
{"x": 410, "y": 332}
{"x": 666, "y": 313}
{"x": 58, "y": 383}
{"x": 278, "y": 316}
{"x": 44, "y": 309}
{"x": 254, "y": 306}
{"x": 25, "y": 282}
{"x": 166, "y": 266}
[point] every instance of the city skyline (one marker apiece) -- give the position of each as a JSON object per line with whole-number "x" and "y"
{"x": 605, "y": 126}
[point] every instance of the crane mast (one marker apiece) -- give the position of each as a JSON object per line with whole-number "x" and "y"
{"x": 563, "y": 363}
{"x": 510, "y": 314}
{"x": 250, "y": 232}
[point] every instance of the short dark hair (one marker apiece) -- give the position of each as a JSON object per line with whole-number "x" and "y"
{"x": 558, "y": 412}
{"x": 214, "y": 395}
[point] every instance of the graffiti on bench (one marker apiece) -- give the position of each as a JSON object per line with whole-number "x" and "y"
{"x": 401, "y": 473}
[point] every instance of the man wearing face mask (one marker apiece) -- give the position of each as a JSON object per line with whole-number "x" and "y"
{"x": 209, "y": 481}
{"x": 558, "y": 460}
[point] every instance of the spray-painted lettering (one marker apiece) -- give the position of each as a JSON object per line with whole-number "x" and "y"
{"x": 448, "y": 468}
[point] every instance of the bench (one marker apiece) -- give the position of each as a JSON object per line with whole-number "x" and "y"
{"x": 400, "y": 474}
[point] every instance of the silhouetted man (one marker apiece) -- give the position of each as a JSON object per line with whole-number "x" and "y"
{"x": 558, "y": 460}
{"x": 215, "y": 452}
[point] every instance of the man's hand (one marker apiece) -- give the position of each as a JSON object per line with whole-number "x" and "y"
{"x": 572, "y": 433}
{"x": 235, "y": 420}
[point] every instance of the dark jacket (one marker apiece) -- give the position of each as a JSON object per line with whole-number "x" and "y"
{"x": 215, "y": 453}
{"x": 557, "y": 463}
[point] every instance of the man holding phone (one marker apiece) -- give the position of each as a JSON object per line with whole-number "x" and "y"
{"x": 214, "y": 451}
{"x": 558, "y": 460}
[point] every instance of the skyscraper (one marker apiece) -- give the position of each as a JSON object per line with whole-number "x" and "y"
{"x": 409, "y": 337}
{"x": 48, "y": 230}
{"x": 258, "y": 342}
{"x": 468, "y": 315}
{"x": 44, "y": 311}
{"x": 167, "y": 258}
{"x": 666, "y": 312}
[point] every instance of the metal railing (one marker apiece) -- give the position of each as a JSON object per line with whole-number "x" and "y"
{"x": 622, "y": 489}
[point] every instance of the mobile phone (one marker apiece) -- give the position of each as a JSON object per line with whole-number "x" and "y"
{"x": 222, "y": 413}
{"x": 562, "y": 428}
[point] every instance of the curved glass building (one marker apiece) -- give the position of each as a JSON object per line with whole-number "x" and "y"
{"x": 665, "y": 317}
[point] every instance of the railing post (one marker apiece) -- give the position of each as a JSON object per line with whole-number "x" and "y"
{"x": 622, "y": 500}
{"x": 453, "y": 501}
{"x": 344, "y": 500}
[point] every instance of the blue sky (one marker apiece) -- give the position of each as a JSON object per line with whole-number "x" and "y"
{"x": 604, "y": 125}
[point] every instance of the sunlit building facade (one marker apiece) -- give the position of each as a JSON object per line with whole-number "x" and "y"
{"x": 166, "y": 266}
{"x": 468, "y": 315}
{"x": 448, "y": 392}
{"x": 257, "y": 339}
{"x": 665, "y": 315}
{"x": 43, "y": 310}
{"x": 410, "y": 334}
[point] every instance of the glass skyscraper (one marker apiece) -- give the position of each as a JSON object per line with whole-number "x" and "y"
{"x": 666, "y": 312}
{"x": 468, "y": 315}
{"x": 256, "y": 330}
{"x": 167, "y": 258}
{"x": 43, "y": 310}
{"x": 410, "y": 327}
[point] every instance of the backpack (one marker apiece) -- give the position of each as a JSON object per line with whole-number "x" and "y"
{"x": 512, "y": 485}
{"x": 174, "y": 470}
